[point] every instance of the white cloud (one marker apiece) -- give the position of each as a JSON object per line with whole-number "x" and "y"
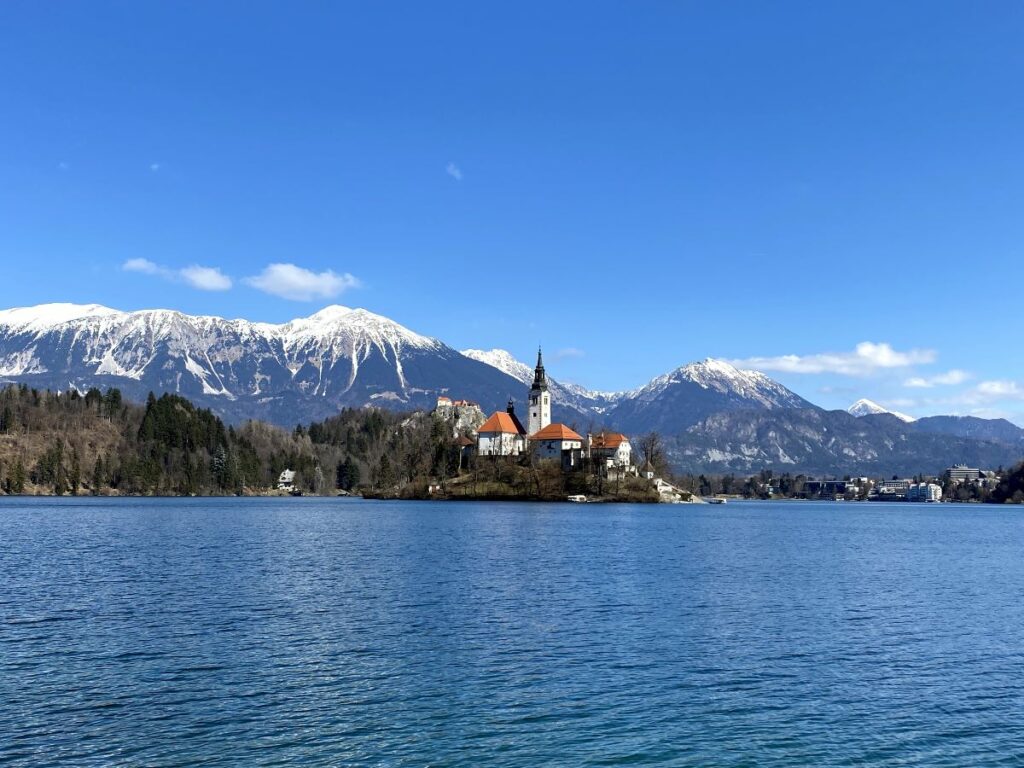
{"x": 454, "y": 171}
{"x": 145, "y": 266}
{"x": 949, "y": 378}
{"x": 562, "y": 354}
{"x": 866, "y": 358}
{"x": 203, "y": 278}
{"x": 983, "y": 393}
{"x": 291, "y": 282}
{"x": 999, "y": 389}
{"x": 155, "y": 167}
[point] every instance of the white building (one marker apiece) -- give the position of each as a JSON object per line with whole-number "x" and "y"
{"x": 557, "y": 441}
{"x": 960, "y": 473}
{"x": 924, "y": 492}
{"x": 501, "y": 435}
{"x": 612, "y": 448}
{"x": 286, "y": 480}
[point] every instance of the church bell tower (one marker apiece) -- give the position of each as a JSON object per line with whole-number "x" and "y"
{"x": 540, "y": 399}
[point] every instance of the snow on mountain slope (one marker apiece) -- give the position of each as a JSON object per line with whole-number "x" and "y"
{"x": 724, "y": 378}
{"x": 712, "y": 414}
{"x": 45, "y": 316}
{"x": 350, "y": 328}
{"x": 677, "y": 400}
{"x": 504, "y": 361}
{"x": 865, "y": 407}
{"x": 339, "y": 356}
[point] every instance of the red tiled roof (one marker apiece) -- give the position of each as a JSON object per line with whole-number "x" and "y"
{"x": 609, "y": 440}
{"x": 464, "y": 441}
{"x": 555, "y": 432}
{"x": 499, "y": 422}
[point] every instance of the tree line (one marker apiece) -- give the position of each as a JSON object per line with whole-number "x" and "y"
{"x": 98, "y": 443}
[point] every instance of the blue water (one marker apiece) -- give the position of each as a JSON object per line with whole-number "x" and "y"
{"x": 329, "y": 632}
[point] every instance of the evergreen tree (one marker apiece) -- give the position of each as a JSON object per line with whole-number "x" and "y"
{"x": 347, "y": 474}
{"x": 97, "y": 476}
{"x": 75, "y": 476}
{"x": 17, "y": 478}
{"x": 385, "y": 474}
{"x": 219, "y": 467}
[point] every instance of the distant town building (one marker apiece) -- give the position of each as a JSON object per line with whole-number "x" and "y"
{"x": 502, "y": 434}
{"x": 924, "y": 492}
{"x": 286, "y": 480}
{"x": 961, "y": 473}
{"x": 893, "y": 490}
{"x": 557, "y": 441}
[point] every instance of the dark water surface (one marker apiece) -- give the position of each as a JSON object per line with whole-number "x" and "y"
{"x": 328, "y": 632}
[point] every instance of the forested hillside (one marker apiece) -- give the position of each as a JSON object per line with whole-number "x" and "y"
{"x": 98, "y": 443}
{"x": 1011, "y": 489}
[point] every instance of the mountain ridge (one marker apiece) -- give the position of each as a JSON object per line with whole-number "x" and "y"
{"x": 309, "y": 368}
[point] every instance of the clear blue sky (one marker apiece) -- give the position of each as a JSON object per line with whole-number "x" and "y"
{"x": 636, "y": 185}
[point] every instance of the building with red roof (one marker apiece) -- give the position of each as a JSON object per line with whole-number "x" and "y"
{"x": 611, "y": 448}
{"x": 502, "y": 434}
{"x": 557, "y": 441}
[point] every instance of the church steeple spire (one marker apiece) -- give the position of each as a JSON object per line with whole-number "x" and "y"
{"x": 540, "y": 379}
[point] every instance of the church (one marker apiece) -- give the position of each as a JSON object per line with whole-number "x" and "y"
{"x": 504, "y": 435}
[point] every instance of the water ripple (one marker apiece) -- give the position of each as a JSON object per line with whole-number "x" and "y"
{"x": 173, "y": 632}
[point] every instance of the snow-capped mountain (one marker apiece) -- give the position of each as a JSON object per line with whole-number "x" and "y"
{"x": 865, "y": 407}
{"x": 307, "y": 368}
{"x": 719, "y": 376}
{"x": 679, "y": 399}
{"x": 713, "y": 415}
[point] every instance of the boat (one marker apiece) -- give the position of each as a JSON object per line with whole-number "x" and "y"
{"x": 578, "y": 498}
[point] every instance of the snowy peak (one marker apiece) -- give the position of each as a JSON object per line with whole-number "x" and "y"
{"x": 865, "y": 407}
{"x": 724, "y": 378}
{"x": 504, "y": 361}
{"x": 44, "y": 317}
{"x": 352, "y": 325}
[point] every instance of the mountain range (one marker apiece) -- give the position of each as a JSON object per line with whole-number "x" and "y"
{"x": 714, "y": 416}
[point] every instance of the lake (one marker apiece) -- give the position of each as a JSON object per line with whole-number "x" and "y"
{"x": 325, "y": 632}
